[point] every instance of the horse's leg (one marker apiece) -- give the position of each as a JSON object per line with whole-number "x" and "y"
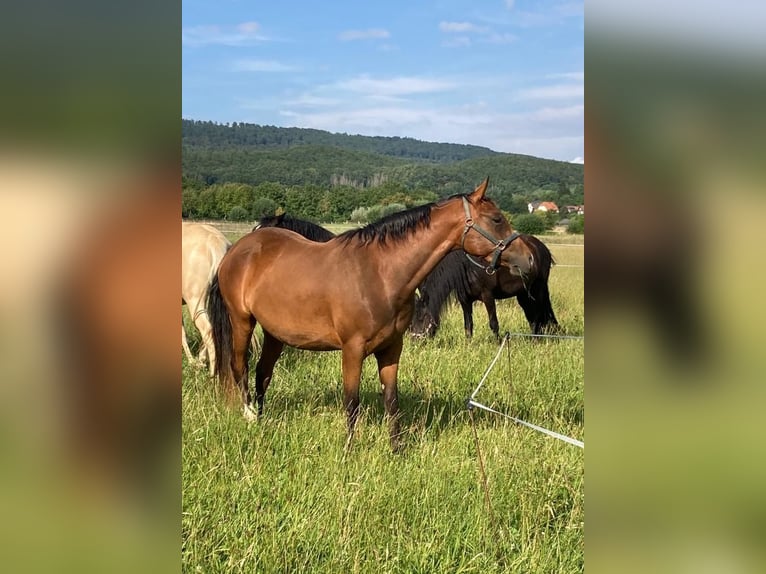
{"x": 491, "y": 307}
{"x": 241, "y": 330}
{"x": 264, "y": 369}
{"x": 467, "y": 317}
{"x": 531, "y": 312}
{"x": 185, "y": 344}
{"x": 351, "y": 359}
{"x": 388, "y": 367}
{"x": 206, "y": 330}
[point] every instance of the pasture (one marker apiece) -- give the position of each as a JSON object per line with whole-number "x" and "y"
{"x": 281, "y": 495}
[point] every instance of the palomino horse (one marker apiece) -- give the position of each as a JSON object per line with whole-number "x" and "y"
{"x": 203, "y": 247}
{"x": 458, "y": 274}
{"x": 353, "y": 293}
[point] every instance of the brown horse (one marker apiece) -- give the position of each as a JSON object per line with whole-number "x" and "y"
{"x": 354, "y": 293}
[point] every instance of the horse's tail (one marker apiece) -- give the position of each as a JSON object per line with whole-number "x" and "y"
{"x": 218, "y": 315}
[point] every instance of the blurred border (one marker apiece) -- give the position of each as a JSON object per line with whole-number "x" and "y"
{"x": 90, "y": 197}
{"x": 674, "y": 185}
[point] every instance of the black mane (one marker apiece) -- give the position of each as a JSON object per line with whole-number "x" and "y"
{"x": 450, "y": 276}
{"x": 308, "y": 229}
{"x": 394, "y": 227}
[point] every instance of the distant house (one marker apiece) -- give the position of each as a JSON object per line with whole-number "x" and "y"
{"x": 542, "y": 206}
{"x": 578, "y": 209}
{"x": 547, "y": 206}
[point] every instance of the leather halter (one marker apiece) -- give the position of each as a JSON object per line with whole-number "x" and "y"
{"x": 500, "y": 244}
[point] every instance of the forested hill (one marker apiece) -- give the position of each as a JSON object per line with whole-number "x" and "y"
{"x": 309, "y": 173}
{"x": 211, "y": 135}
{"x": 327, "y": 166}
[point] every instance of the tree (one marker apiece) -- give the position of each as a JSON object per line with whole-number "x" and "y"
{"x": 528, "y": 223}
{"x": 238, "y": 213}
{"x": 262, "y": 206}
{"x": 359, "y": 215}
{"x": 549, "y": 218}
{"x": 576, "y": 224}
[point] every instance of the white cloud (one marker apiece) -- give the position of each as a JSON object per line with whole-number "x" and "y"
{"x": 249, "y": 27}
{"x": 457, "y": 42}
{"x": 484, "y": 34}
{"x": 369, "y": 34}
{"x": 550, "y": 132}
{"x": 261, "y": 66}
{"x": 462, "y": 28}
{"x": 509, "y": 4}
{"x": 575, "y": 76}
{"x": 244, "y": 34}
{"x": 312, "y": 101}
{"x": 556, "y": 114}
{"x": 495, "y": 38}
{"x": 556, "y": 14}
{"x": 555, "y": 92}
{"x": 398, "y": 86}
{"x": 578, "y": 159}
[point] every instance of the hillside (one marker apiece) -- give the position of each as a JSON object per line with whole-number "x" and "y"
{"x": 210, "y": 135}
{"x": 298, "y": 165}
{"x": 327, "y": 181}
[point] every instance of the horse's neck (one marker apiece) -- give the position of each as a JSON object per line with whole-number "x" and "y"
{"x": 422, "y": 252}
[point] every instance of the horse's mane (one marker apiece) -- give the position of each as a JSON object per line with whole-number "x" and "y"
{"x": 394, "y": 227}
{"x": 451, "y": 275}
{"x": 307, "y": 229}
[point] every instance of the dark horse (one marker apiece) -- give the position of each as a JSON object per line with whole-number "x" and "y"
{"x": 354, "y": 292}
{"x": 469, "y": 282}
{"x": 308, "y": 229}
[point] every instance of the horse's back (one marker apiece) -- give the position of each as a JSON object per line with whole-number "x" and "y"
{"x": 275, "y": 254}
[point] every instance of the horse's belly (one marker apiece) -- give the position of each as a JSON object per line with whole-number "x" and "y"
{"x": 300, "y": 334}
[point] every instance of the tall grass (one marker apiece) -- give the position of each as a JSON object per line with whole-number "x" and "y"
{"x": 281, "y": 495}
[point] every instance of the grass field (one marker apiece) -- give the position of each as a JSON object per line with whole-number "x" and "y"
{"x": 280, "y": 495}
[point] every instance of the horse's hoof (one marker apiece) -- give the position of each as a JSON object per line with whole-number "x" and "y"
{"x": 250, "y": 414}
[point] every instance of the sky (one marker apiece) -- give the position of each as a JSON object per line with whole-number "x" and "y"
{"x": 504, "y": 74}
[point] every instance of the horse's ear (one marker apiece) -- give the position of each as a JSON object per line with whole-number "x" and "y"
{"x": 478, "y": 193}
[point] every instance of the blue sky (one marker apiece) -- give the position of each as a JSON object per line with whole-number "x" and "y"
{"x": 505, "y": 74}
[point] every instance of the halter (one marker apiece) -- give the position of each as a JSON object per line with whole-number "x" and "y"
{"x": 500, "y": 244}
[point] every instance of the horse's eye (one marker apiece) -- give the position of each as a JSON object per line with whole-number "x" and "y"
{"x": 497, "y": 219}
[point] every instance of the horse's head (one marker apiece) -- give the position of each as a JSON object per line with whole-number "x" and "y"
{"x": 488, "y": 234}
{"x": 423, "y": 323}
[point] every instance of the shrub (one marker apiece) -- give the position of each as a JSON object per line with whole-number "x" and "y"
{"x": 263, "y": 206}
{"x": 238, "y": 213}
{"x": 359, "y": 215}
{"x": 374, "y": 213}
{"x": 368, "y": 214}
{"x": 392, "y": 208}
{"x": 576, "y": 224}
{"x": 528, "y": 223}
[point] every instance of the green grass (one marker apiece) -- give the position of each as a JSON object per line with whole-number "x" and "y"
{"x": 280, "y": 494}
